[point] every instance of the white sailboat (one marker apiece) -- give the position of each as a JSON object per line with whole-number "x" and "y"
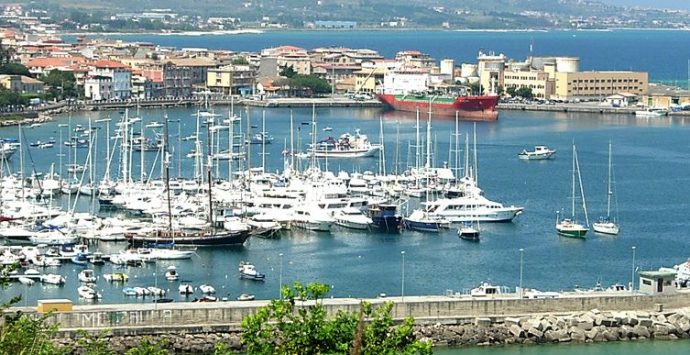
{"x": 608, "y": 225}
{"x": 569, "y": 227}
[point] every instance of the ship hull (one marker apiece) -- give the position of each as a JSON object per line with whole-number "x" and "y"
{"x": 476, "y": 108}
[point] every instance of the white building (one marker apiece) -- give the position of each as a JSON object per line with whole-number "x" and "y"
{"x": 98, "y": 88}
{"x": 405, "y": 81}
{"x": 120, "y": 75}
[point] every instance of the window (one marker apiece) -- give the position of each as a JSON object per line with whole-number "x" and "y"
{"x": 647, "y": 282}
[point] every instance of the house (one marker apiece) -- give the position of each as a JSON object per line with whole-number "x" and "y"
{"x": 232, "y": 79}
{"x": 22, "y": 84}
{"x": 98, "y": 88}
{"x": 622, "y": 100}
{"x": 657, "y": 282}
{"x": 120, "y": 75}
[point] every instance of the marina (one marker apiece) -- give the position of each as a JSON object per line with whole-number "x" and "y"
{"x": 338, "y": 256}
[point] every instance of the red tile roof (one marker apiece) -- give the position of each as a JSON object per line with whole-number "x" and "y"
{"x": 108, "y": 64}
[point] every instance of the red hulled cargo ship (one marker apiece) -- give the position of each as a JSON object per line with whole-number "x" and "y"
{"x": 478, "y": 108}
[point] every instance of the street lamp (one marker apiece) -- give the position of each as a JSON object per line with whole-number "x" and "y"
{"x": 280, "y": 277}
{"x": 402, "y": 288}
{"x": 522, "y": 252}
{"x": 632, "y": 277}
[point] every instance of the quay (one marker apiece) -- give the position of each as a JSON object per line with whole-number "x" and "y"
{"x": 455, "y": 320}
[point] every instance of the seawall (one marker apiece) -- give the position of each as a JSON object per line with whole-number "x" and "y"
{"x": 446, "y": 320}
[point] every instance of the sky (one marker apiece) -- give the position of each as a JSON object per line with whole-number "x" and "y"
{"x": 671, "y": 4}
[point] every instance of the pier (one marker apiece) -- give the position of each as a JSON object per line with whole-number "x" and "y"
{"x": 444, "y": 320}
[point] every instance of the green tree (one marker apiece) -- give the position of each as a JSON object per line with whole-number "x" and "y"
{"x": 239, "y": 61}
{"x": 511, "y": 90}
{"x": 14, "y": 69}
{"x": 524, "y": 92}
{"x": 314, "y": 83}
{"x": 287, "y": 71}
{"x": 283, "y": 327}
{"x": 61, "y": 84}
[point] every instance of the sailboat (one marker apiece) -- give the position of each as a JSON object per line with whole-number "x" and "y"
{"x": 569, "y": 227}
{"x": 606, "y": 225}
{"x": 211, "y": 236}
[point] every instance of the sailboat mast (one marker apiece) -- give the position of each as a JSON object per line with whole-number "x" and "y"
{"x": 573, "y": 185}
{"x": 166, "y": 171}
{"x": 263, "y": 140}
{"x": 209, "y": 169}
{"x": 476, "y": 161}
{"x": 231, "y": 143}
{"x": 427, "y": 165}
{"x": 582, "y": 191}
{"x": 416, "y": 146}
{"x": 383, "y": 148}
{"x": 609, "y": 192}
{"x": 292, "y": 142}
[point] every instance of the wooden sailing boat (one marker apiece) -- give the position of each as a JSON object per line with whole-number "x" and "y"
{"x": 607, "y": 225}
{"x": 569, "y": 227}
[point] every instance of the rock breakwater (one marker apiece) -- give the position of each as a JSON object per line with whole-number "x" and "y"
{"x": 586, "y": 327}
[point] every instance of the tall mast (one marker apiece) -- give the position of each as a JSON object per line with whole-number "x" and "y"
{"x": 609, "y": 192}
{"x": 292, "y": 143}
{"x": 263, "y": 140}
{"x": 209, "y": 169}
{"x": 582, "y": 190}
{"x": 166, "y": 171}
{"x": 231, "y": 141}
{"x": 427, "y": 165}
{"x": 416, "y": 146}
{"x": 383, "y": 147}
{"x": 573, "y": 188}
{"x": 476, "y": 162}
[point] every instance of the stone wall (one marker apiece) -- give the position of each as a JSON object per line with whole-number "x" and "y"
{"x": 581, "y": 327}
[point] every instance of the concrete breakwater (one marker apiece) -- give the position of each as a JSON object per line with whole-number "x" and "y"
{"x": 580, "y": 327}
{"x": 446, "y": 320}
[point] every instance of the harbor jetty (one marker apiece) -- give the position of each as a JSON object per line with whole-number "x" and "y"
{"x": 456, "y": 320}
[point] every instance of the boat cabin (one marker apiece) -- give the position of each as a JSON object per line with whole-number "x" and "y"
{"x": 657, "y": 282}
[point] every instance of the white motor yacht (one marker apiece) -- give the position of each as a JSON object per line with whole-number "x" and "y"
{"x": 352, "y": 218}
{"x": 311, "y": 218}
{"x": 87, "y": 276}
{"x": 88, "y": 293}
{"x": 171, "y": 274}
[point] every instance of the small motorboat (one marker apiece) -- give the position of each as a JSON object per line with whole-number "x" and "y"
{"x": 156, "y": 291}
{"x": 26, "y": 281}
{"x": 163, "y": 300}
{"x": 80, "y": 259}
{"x": 245, "y": 297}
{"x": 88, "y": 293}
{"x": 141, "y": 291}
{"x": 52, "y": 279}
{"x": 207, "y": 289}
{"x": 468, "y": 232}
{"x": 540, "y": 152}
{"x": 206, "y": 299}
{"x": 327, "y": 129}
{"x": 171, "y": 274}
{"x": 97, "y": 258}
{"x": 116, "y": 277}
{"x": 87, "y": 276}
{"x": 129, "y": 291}
{"x": 186, "y": 289}
{"x": 248, "y": 271}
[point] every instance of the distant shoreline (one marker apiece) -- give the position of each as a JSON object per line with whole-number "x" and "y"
{"x": 364, "y": 29}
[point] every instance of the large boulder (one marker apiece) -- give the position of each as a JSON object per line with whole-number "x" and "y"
{"x": 641, "y": 331}
{"x": 577, "y": 334}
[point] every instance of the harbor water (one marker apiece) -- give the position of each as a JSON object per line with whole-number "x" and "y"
{"x": 650, "y": 158}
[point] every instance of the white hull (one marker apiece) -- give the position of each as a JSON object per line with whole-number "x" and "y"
{"x": 317, "y": 226}
{"x": 606, "y": 228}
{"x": 505, "y": 214}
{"x": 352, "y": 224}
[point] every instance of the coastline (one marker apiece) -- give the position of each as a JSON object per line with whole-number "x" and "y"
{"x": 367, "y": 29}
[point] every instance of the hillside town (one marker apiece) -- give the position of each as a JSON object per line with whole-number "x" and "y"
{"x": 39, "y": 67}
